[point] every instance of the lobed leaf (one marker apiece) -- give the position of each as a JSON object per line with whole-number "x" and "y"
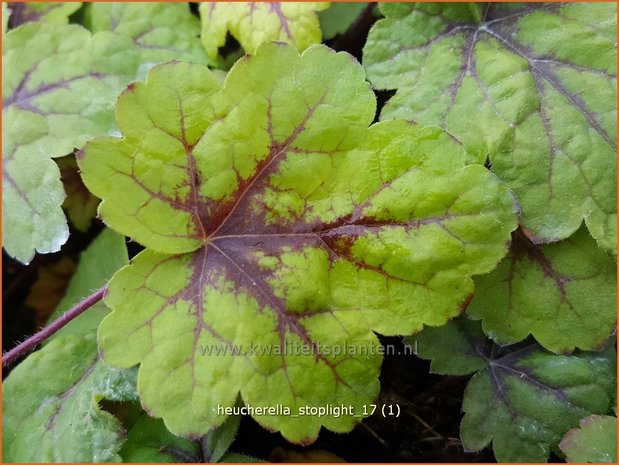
{"x": 51, "y": 400}
{"x": 254, "y": 23}
{"x": 216, "y": 444}
{"x": 58, "y": 93}
{"x": 339, "y": 17}
{"x": 463, "y": 355}
{"x": 31, "y": 198}
{"x": 594, "y": 441}
{"x": 273, "y": 215}
{"x": 162, "y": 31}
{"x": 521, "y": 399}
{"x": 50, "y": 12}
{"x": 564, "y": 294}
{"x": 540, "y": 81}
{"x": 148, "y": 441}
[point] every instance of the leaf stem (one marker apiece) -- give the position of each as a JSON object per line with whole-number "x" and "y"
{"x": 33, "y": 341}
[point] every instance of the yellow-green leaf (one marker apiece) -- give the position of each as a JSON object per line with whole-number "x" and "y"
{"x": 254, "y": 23}
{"x": 275, "y": 216}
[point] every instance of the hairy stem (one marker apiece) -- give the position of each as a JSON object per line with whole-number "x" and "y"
{"x": 33, "y": 341}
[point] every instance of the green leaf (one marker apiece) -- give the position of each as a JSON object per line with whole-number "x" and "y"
{"x": 58, "y": 92}
{"x": 532, "y": 87}
{"x": 294, "y": 224}
{"x": 460, "y": 356}
{"x": 50, "y": 410}
{"x": 32, "y": 196}
{"x": 162, "y": 31}
{"x": 254, "y": 23}
{"x": 564, "y": 294}
{"x": 339, "y": 17}
{"x": 105, "y": 256}
{"x": 54, "y": 393}
{"x": 6, "y": 12}
{"x": 522, "y": 398}
{"x": 49, "y": 12}
{"x": 218, "y": 441}
{"x": 594, "y": 441}
{"x": 148, "y": 441}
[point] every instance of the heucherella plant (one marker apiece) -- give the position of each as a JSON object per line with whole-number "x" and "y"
{"x": 49, "y": 12}
{"x": 65, "y": 380}
{"x": 59, "y": 89}
{"x": 595, "y": 440}
{"x": 258, "y": 217}
{"x": 273, "y": 213}
{"x": 254, "y": 23}
{"x": 521, "y": 399}
{"x": 541, "y": 82}
{"x": 57, "y": 93}
{"x": 162, "y": 31}
{"x": 575, "y": 302}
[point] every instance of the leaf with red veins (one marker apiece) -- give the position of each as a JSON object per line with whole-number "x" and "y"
{"x": 163, "y": 31}
{"x": 521, "y": 399}
{"x": 282, "y": 230}
{"x": 58, "y": 92}
{"x": 49, "y": 12}
{"x": 531, "y": 87}
{"x": 254, "y": 23}
{"x": 564, "y": 294}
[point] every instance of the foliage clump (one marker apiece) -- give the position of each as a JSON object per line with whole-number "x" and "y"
{"x": 278, "y": 231}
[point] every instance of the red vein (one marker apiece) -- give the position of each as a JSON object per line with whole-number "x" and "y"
{"x": 276, "y": 151}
